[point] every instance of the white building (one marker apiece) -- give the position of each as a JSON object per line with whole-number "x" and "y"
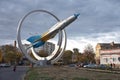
{"x": 110, "y": 56}
{"x": 108, "y": 53}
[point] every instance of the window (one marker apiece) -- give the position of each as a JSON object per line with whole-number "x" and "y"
{"x": 118, "y": 58}
{"x": 114, "y": 59}
{"x": 106, "y": 59}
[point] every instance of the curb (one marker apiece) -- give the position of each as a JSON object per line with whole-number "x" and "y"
{"x": 106, "y": 71}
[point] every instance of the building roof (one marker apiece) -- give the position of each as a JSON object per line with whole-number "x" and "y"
{"x": 109, "y": 45}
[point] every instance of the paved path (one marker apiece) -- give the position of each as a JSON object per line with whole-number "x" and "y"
{"x": 9, "y": 74}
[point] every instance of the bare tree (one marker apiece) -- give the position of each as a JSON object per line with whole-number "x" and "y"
{"x": 89, "y": 54}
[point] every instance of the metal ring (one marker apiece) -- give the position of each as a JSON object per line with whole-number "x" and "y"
{"x": 55, "y": 56}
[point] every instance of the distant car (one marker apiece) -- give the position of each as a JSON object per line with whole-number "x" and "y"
{"x": 102, "y": 66}
{"x": 90, "y": 66}
{"x": 72, "y": 65}
{"x": 4, "y": 65}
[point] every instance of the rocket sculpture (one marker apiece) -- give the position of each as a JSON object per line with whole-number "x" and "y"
{"x": 39, "y": 40}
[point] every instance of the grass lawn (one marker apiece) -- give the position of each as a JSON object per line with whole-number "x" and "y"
{"x": 67, "y": 73}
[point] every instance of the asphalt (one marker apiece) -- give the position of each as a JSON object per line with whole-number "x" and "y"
{"x": 9, "y": 74}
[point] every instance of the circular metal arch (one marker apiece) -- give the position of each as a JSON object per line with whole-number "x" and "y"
{"x": 56, "y": 54}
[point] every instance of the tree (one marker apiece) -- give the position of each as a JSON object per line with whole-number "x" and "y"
{"x": 1, "y": 55}
{"x": 89, "y": 49}
{"x": 42, "y": 53}
{"x": 18, "y": 56}
{"x": 89, "y": 54}
{"x": 11, "y": 54}
{"x": 67, "y": 56}
{"x": 10, "y": 57}
{"x": 76, "y": 51}
{"x": 76, "y": 55}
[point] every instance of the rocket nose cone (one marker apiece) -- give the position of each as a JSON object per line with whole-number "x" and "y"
{"x": 76, "y": 15}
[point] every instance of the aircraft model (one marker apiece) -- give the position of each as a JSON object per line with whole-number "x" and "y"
{"x": 39, "y": 40}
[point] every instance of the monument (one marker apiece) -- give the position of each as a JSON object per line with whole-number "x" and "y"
{"x": 39, "y": 40}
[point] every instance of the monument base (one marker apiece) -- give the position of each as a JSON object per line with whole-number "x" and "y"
{"x": 41, "y": 63}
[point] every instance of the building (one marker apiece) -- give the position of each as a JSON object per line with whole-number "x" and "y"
{"x": 108, "y": 53}
{"x": 48, "y": 47}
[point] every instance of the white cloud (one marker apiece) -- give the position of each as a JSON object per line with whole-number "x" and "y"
{"x": 71, "y": 44}
{"x": 4, "y": 42}
{"x": 81, "y": 41}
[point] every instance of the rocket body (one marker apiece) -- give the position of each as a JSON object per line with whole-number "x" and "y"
{"x": 53, "y": 30}
{"x": 58, "y": 27}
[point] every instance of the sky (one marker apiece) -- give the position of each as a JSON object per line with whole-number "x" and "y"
{"x": 99, "y": 20}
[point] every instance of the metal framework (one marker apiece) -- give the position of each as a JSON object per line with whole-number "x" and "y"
{"x": 59, "y": 47}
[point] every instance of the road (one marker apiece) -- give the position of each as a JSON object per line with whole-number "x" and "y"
{"x": 9, "y": 74}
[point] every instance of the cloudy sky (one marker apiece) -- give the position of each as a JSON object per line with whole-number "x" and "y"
{"x": 99, "y": 20}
